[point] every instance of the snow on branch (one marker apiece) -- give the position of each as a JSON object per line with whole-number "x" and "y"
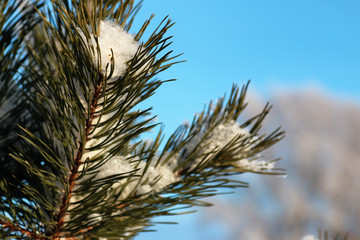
{"x": 114, "y": 43}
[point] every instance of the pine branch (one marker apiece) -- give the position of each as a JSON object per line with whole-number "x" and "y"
{"x": 75, "y": 170}
{"x": 15, "y": 228}
{"x": 14, "y": 25}
{"x": 79, "y": 153}
{"x": 86, "y": 174}
{"x": 135, "y": 66}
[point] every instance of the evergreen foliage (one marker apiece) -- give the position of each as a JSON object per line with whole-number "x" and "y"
{"x": 69, "y": 116}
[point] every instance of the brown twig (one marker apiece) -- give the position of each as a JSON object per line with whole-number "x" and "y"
{"x": 75, "y": 170}
{"x": 16, "y": 228}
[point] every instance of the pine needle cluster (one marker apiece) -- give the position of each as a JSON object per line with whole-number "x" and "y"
{"x": 73, "y": 163}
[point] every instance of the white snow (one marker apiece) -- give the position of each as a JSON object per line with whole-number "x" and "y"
{"x": 96, "y": 217}
{"x": 309, "y": 237}
{"x": 153, "y": 180}
{"x": 223, "y": 134}
{"x": 113, "y": 37}
{"x": 114, "y": 166}
{"x": 218, "y": 138}
{"x": 156, "y": 178}
{"x": 254, "y": 165}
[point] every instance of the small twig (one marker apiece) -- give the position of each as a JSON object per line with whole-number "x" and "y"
{"x": 13, "y": 227}
{"x": 75, "y": 170}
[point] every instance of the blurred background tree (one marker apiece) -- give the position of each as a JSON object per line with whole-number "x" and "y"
{"x": 321, "y": 154}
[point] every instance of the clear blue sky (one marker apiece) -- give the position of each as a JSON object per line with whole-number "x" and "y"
{"x": 281, "y": 43}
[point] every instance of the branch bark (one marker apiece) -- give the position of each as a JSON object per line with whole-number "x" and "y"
{"x": 60, "y": 218}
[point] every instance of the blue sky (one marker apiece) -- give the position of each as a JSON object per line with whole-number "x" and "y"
{"x": 287, "y": 44}
{"x": 277, "y": 44}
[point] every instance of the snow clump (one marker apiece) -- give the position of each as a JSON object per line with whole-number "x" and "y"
{"x": 154, "y": 179}
{"x": 113, "y": 37}
{"x": 220, "y": 137}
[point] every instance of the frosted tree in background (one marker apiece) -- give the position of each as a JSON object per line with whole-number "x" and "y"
{"x": 321, "y": 157}
{"x": 73, "y": 161}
